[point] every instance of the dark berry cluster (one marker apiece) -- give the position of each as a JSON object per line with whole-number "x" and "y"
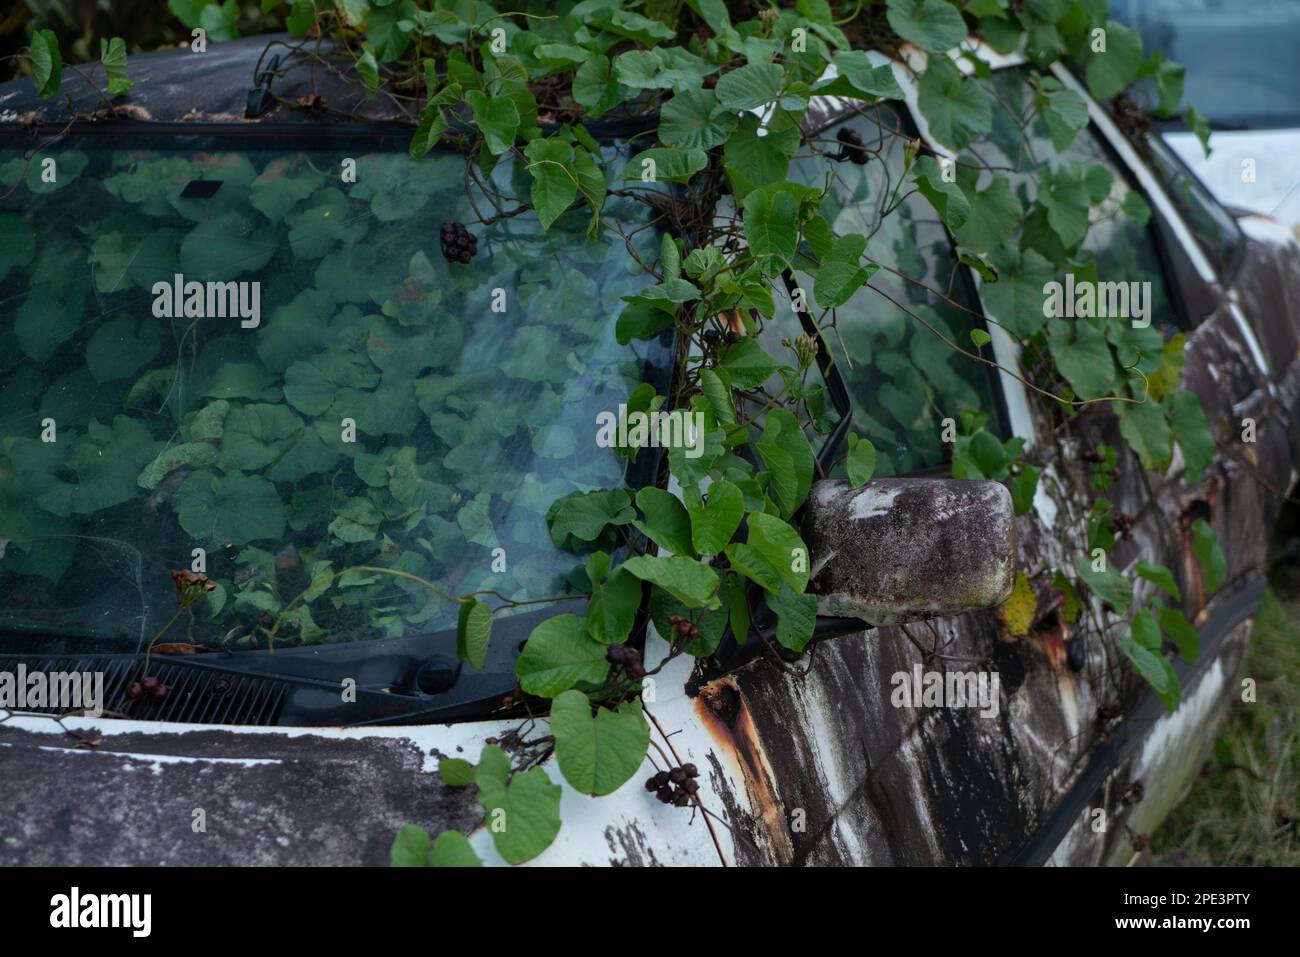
{"x": 713, "y": 338}
{"x": 1095, "y": 459}
{"x": 684, "y": 627}
{"x": 851, "y": 146}
{"x": 148, "y": 685}
{"x": 459, "y": 245}
{"x": 675, "y": 786}
{"x": 1121, "y": 525}
{"x": 629, "y": 658}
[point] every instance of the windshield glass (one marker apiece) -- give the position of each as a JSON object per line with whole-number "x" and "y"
{"x": 1242, "y": 68}
{"x": 263, "y": 351}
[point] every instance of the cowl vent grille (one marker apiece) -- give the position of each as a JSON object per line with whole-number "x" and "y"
{"x": 200, "y": 694}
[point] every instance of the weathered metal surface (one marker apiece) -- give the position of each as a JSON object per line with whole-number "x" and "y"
{"x": 906, "y": 549}
{"x": 871, "y": 782}
{"x": 114, "y": 792}
{"x": 874, "y": 782}
{"x": 133, "y": 797}
{"x": 1156, "y": 764}
{"x": 848, "y": 778}
{"x": 1266, "y": 287}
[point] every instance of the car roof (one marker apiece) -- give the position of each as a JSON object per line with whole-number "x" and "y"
{"x": 179, "y": 85}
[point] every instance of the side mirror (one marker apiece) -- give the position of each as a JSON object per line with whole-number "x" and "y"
{"x": 906, "y": 549}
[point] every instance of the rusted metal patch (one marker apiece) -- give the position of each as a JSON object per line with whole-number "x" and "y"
{"x": 725, "y": 715}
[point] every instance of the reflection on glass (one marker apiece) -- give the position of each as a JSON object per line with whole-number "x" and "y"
{"x": 888, "y": 340}
{"x": 384, "y": 406}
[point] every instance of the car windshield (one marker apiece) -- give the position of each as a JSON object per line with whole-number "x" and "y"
{"x": 1242, "y": 68}
{"x": 257, "y": 358}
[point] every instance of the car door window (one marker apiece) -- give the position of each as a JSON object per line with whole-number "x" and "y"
{"x": 1213, "y": 227}
{"x": 893, "y": 340}
{"x": 1121, "y": 240}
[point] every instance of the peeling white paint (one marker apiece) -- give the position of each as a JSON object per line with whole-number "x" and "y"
{"x": 872, "y": 501}
{"x": 154, "y": 762}
{"x": 1169, "y": 738}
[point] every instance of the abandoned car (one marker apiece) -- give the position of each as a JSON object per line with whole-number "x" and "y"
{"x": 247, "y": 346}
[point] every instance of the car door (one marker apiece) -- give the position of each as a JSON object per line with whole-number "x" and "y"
{"x": 832, "y": 769}
{"x": 828, "y": 767}
{"x": 1125, "y": 780}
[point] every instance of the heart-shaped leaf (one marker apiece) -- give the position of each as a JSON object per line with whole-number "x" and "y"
{"x": 714, "y": 521}
{"x": 1110, "y": 70}
{"x": 666, "y": 522}
{"x": 598, "y": 754}
{"x": 686, "y": 579}
{"x": 473, "y": 632}
{"x": 749, "y": 87}
{"x": 559, "y": 654}
{"x": 695, "y": 120}
{"x": 956, "y": 109}
{"x": 451, "y": 849}
{"x": 47, "y": 63}
{"x": 934, "y": 25}
{"x": 523, "y": 809}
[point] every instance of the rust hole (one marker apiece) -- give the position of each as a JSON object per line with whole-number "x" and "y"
{"x": 1196, "y": 508}
{"x": 1050, "y": 624}
{"x": 724, "y": 702}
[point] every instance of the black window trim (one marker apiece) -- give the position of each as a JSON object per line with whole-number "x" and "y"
{"x": 1225, "y": 269}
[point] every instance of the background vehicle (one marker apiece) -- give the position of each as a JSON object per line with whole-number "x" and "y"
{"x": 1242, "y": 76}
{"x": 874, "y": 783}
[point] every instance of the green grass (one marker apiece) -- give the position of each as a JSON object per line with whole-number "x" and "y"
{"x": 1243, "y": 810}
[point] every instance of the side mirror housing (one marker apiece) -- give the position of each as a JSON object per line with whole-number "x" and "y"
{"x": 905, "y": 549}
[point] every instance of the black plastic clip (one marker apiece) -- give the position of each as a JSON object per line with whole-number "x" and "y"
{"x": 259, "y": 97}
